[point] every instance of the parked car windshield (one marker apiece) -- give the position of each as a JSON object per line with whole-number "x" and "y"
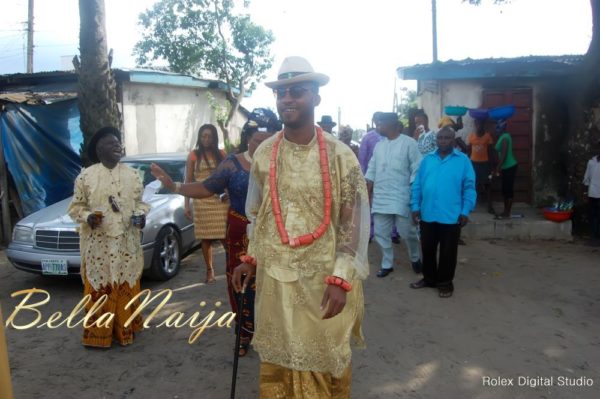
{"x": 175, "y": 169}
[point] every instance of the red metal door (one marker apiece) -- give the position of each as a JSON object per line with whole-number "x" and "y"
{"x": 520, "y": 127}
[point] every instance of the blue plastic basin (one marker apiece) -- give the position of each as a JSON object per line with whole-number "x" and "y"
{"x": 503, "y": 112}
{"x": 455, "y": 110}
{"x": 478, "y": 113}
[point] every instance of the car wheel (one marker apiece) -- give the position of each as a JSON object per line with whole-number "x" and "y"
{"x": 167, "y": 254}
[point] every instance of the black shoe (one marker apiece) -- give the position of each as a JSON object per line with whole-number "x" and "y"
{"x": 420, "y": 284}
{"x": 417, "y": 267}
{"x": 396, "y": 240}
{"x": 384, "y": 272}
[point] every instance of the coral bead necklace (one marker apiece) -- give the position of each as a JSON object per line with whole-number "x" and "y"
{"x": 304, "y": 239}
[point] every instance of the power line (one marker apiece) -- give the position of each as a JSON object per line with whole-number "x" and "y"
{"x": 19, "y": 54}
{"x": 11, "y": 36}
{"x": 55, "y": 45}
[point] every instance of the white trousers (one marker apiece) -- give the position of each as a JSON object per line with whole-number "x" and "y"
{"x": 384, "y": 223}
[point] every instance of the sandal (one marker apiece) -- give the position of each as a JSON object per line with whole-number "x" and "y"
{"x": 445, "y": 292}
{"x": 244, "y": 347}
{"x": 210, "y": 276}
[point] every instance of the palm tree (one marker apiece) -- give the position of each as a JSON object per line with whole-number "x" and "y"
{"x": 97, "y": 94}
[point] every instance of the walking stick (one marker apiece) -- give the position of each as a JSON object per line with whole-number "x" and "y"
{"x": 238, "y": 334}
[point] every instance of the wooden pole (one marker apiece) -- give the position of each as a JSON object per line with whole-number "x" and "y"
{"x": 5, "y": 384}
{"x": 30, "y": 37}
{"x": 434, "y": 29}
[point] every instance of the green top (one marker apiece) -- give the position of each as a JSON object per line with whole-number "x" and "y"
{"x": 510, "y": 160}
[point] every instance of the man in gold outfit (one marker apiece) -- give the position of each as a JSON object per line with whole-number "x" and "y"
{"x": 309, "y": 212}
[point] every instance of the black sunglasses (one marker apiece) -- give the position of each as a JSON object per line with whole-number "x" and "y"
{"x": 113, "y": 204}
{"x": 295, "y": 92}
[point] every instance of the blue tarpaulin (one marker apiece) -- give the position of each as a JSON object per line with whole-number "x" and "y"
{"x": 41, "y": 149}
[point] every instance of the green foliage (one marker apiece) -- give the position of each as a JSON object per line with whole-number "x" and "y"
{"x": 221, "y": 111}
{"x": 206, "y": 36}
{"x": 407, "y": 101}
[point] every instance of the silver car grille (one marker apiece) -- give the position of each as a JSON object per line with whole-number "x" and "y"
{"x": 62, "y": 240}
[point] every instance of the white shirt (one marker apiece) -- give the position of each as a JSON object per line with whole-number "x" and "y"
{"x": 392, "y": 169}
{"x": 592, "y": 177}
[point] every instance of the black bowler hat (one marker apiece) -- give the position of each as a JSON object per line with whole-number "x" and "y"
{"x": 326, "y": 120}
{"x": 105, "y": 131}
{"x": 387, "y": 117}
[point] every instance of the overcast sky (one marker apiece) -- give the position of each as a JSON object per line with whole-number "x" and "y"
{"x": 359, "y": 44}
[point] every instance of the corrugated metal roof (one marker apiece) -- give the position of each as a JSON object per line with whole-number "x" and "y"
{"x": 43, "y": 87}
{"x": 26, "y": 81}
{"x": 38, "y": 97}
{"x": 530, "y": 66}
{"x": 137, "y": 75}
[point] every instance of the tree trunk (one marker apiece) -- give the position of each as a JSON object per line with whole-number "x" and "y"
{"x": 584, "y": 119}
{"x": 97, "y": 95}
{"x": 234, "y": 105}
{"x": 224, "y": 126}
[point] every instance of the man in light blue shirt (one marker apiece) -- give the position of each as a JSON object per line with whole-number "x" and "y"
{"x": 391, "y": 171}
{"x": 443, "y": 196}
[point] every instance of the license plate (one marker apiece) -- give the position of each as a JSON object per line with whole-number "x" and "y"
{"x": 55, "y": 267}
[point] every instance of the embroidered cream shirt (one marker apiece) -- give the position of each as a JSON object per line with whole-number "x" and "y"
{"x": 110, "y": 253}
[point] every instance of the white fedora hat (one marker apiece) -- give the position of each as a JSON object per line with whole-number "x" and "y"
{"x": 295, "y": 70}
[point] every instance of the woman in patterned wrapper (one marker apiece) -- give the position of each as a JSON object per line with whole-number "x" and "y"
{"x": 232, "y": 175}
{"x": 210, "y": 213}
{"x": 106, "y": 197}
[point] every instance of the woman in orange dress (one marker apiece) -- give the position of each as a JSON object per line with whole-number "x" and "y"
{"x": 209, "y": 214}
{"x": 480, "y": 148}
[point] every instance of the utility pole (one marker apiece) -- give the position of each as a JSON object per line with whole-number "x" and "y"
{"x": 395, "y": 102}
{"x": 30, "y": 37}
{"x": 433, "y": 29}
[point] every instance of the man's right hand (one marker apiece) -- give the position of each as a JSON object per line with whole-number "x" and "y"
{"x": 161, "y": 175}
{"x": 94, "y": 220}
{"x": 241, "y": 276}
{"x": 188, "y": 213}
{"x": 416, "y": 217}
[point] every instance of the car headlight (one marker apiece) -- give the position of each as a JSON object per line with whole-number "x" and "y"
{"x": 23, "y": 234}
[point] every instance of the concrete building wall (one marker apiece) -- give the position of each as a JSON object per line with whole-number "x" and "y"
{"x": 550, "y": 142}
{"x": 166, "y": 118}
{"x": 464, "y": 93}
{"x": 435, "y": 95}
{"x": 548, "y": 117}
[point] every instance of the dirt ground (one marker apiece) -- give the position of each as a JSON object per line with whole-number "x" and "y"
{"x": 526, "y": 311}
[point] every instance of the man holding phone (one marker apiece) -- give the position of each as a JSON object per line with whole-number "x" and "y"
{"x": 425, "y": 137}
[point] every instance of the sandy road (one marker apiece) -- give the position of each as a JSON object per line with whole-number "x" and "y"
{"x": 520, "y": 310}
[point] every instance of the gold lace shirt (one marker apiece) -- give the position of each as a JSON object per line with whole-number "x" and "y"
{"x": 290, "y": 281}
